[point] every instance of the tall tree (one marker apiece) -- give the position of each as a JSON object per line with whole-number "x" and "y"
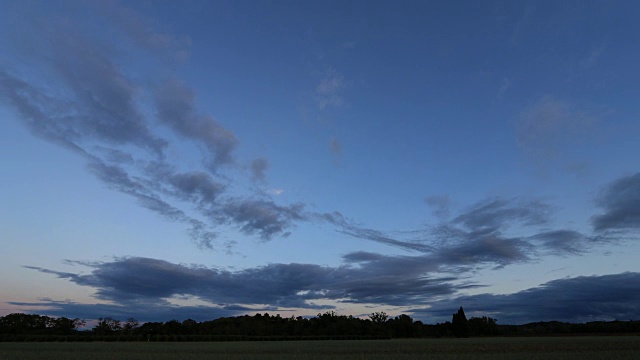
{"x": 460, "y": 324}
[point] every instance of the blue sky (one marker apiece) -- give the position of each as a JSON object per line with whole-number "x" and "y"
{"x": 201, "y": 159}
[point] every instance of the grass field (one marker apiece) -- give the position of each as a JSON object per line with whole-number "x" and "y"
{"x": 579, "y": 348}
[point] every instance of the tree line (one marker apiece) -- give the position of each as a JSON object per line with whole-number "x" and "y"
{"x": 328, "y": 325}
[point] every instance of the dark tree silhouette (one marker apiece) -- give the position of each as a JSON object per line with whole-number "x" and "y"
{"x": 460, "y": 324}
{"x": 107, "y": 326}
{"x": 379, "y": 317}
{"x": 130, "y": 326}
{"x": 484, "y": 326}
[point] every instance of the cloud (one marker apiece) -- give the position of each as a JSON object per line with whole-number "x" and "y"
{"x": 486, "y": 249}
{"x": 328, "y": 91}
{"x": 489, "y": 233}
{"x": 142, "y": 311}
{"x": 335, "y": 146}
{"x": 348, "y": 227}
{"x": 384, "y": 280}
{"x": 92, "y": 106}
{"x": 440, "y": 205}
{"x": 263, "y": 217}
{"x": 562, "y": 242}
{"x": 546, "y": 129}
{"x": 620, "y": 201}
{"x": 276, "y": 191}
{"x": 522, "y": 23}
{"x": 506, "y": 84}
{"x": 578, "y": 299}
{"x": 117, "y": 178}
{"x": 501, "y": 213}
{"x": 592, "y": 57}
{"x": 176, "y": 108}
{"x": 141, "y": 31}
{"x": 134, "y": 285}
{"x": 72, "y": 122}
{"x": 258, "y": 168}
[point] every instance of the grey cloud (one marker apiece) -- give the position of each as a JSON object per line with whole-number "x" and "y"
{"x": 263, "y": 217}
{"x": 142, "y": 311}
{"x": 97, "y": 112}
{"x": 176, "y": 108}
{"x": 136, "y": 285}
{"x": 578, "y": 299}
{"x": 361, "y": 256}
{"x": 116, "y": 177}
{"x": 104, "y": 102}
{"x": 387, "y": 280}
{"x": 335, "y": 146}
{"x": 328, "y": 91}
{"x": 143, "y": 34}
{"x": 504, "y": 87}
{"x": 500, "y": 213}
{"x": 93, "y": 100}
{"x": 198, "y": 186}
{"x": 492, "y": 248}
{"x": 473, "y": 238}
{"x": 348, "y": 227}
{"x": 562, "y": 242}
{"x": 620, "y": 201}
{"x": 545, "y": 129}
{"x": 380, "y": 237}
{"x": 38, "y": 112}
{"x": 440, "y": 205}
{"x": 592, "y": 57}
{"x": 478, "y": 237}
{"x": 258, "y": 168}
{"x": 115, "y": 156}
{"x": 396, "y": 280}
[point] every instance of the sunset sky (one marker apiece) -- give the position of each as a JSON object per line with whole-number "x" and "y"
{"x": 197, "y": 159}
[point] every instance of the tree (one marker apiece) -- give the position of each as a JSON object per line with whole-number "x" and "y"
{"x": 379, "y": 317}
{"x": 65, "y": 326}
{"x": 130, "y": 326}
{"x": 460, "y": 324}
{"x": 107, "y": 326}
{"x": 484, "y": 326}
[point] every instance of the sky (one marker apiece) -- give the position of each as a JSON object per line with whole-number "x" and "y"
{"x": 198, "y": 159}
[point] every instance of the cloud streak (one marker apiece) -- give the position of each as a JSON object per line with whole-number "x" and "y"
{"x": 125, "y": 280}
{"x": 620, "y": 201}
{"x": 578, "y": 299}
{"x": 547, "y": 128}
{"x": 110, "y": 118}
{"x": 134, "y": 286}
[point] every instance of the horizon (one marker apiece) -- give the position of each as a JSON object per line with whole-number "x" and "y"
{"x": 215, "y": 159}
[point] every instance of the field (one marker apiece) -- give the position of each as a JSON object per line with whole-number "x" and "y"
{"x": 579, "y": 348}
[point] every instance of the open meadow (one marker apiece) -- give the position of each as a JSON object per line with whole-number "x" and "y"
{"x": 579, "y": 348}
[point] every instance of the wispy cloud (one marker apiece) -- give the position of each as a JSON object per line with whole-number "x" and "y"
{"x": 592, "y": 56}
{"x": 175, "y": 103}
{"x": 143, "y": 32}
{"x": 440, "y": 205}
{"x": 108, "y": 117}
{"x": 504, "y": 87}
{"x": 259, "y": 167}
{"x": 551, "y": 126}
{"x": 620, "y": 201}
{"x": 335, "y": 146}
{"x": 432, "y": 276}
{"x": 522, "y": 23}
{"x": 329, "y": 90}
